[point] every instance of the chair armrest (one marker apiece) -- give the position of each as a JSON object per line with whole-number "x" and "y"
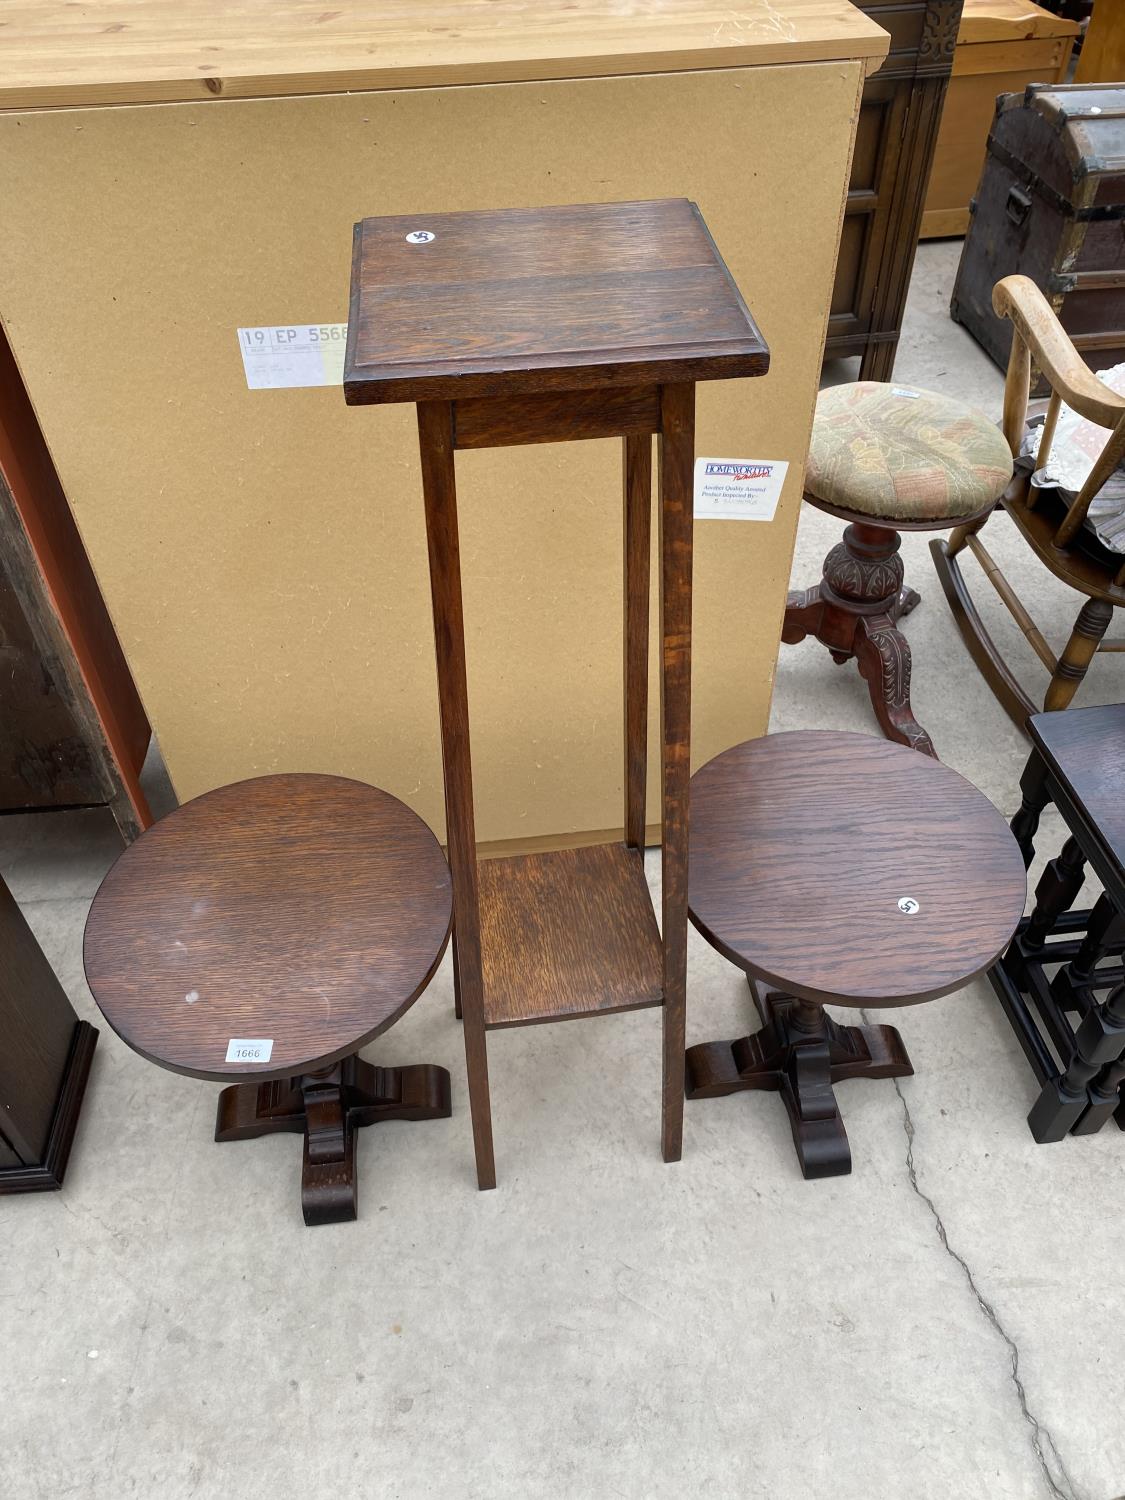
{"x": 1018, "y": 298}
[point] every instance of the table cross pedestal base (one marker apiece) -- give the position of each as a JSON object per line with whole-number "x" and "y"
{"x": 800, "y": 1052}
{"x": 328, "y": 1107}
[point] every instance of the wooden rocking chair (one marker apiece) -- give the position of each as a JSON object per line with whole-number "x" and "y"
{"x": 1054, "y": 532}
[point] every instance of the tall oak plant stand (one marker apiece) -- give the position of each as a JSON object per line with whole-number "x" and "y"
{"x": 539, "y": 326}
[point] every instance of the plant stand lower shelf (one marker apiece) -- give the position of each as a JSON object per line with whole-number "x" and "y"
{"x": 565, "y": 934}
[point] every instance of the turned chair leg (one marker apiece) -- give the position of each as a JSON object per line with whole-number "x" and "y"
{"x": 1091, "y": 624}
{"x": 883, "y": 656}
{"x": 960, "y": 535}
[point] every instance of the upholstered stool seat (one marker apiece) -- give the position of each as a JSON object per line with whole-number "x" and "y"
{"x": 900, "y": 454}
{"x": 888, "y": 457}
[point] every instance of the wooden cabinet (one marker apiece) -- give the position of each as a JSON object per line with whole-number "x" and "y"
{"x": 45, "y": 1053}
{"x": 897, "y": 130}
{"x": 1002, "y": 46}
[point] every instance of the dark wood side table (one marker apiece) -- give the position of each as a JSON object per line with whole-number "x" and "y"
{"x": 845, "y": 871}
{"x": 1062, "y": 962}
{"x": 266, "y": 932}
{"x": 45, "y": 1056}
{"x": 537, "y": 326}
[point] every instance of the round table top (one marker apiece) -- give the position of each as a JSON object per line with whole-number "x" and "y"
{"x": 849, "y": 870}
{"x": 302, "y": 914}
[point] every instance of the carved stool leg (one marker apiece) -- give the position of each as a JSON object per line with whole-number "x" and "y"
{"x": 1091, "y": 624}
{"x": 800, "y": 1052}
{"x": 329, "y": 1107}
{"x": 884, "y": 664}
{"x": 907, "y": 602}
{"x": 803, "y": 611}
{"x": 853, "y": 611}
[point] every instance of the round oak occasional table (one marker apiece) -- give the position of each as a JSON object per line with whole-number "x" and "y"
{"x": 841, "y": 870}
{"x": 265, "y": 932}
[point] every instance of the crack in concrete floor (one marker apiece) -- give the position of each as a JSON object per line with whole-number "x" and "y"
{"x": 1059, "y": 1482}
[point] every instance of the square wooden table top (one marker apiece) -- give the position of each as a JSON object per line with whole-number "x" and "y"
{"x": 519, "y": 301}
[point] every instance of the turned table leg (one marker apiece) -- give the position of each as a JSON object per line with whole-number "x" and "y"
{"x": 1035, "y": 795}
{"x": 1098, "y": 1046}
{"x": 1057, "y": 891}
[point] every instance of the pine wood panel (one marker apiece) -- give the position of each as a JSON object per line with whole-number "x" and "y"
{"x": 55, "y": 53}
{"x": 1103, "y": 51}
{"x": 1008, "y": 21}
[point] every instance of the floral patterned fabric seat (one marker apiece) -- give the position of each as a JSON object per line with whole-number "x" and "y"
{"x": 907, "y": 456}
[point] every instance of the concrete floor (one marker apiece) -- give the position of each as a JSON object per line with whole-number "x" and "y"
{"x": 947, "y": 1321}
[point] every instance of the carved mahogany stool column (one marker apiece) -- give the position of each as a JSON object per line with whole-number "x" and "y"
{"x": 842, "y": 870}
{"x": 543, "y": 326}
{"x": 888, "y": 458}
{"x": 1060, "y": 982}
{"x": 266, "y": 932}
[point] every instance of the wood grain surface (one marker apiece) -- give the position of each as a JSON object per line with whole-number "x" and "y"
{"x": 439, "y": 493}
{"x": 308, "y": 910}
{"x": 519, "y": 301}
{"x": 571, "y": 933}
{"x": 1085, "y": 748}
{"x": 676, "y": 460}
{"x": 802, "y": 845}
{"x": 140, "y": 51}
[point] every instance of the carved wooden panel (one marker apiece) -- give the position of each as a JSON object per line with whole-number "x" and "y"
{"x": 895, "y": 140}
